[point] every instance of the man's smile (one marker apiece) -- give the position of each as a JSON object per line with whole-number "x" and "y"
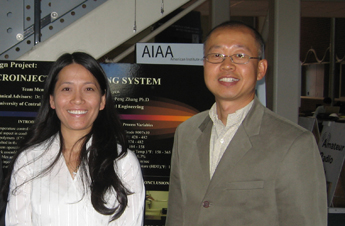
{"x": 228, "y": 80}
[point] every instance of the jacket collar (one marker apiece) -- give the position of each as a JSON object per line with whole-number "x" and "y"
{"x": 238, "y": 147}
{"x": 251, "y": 123}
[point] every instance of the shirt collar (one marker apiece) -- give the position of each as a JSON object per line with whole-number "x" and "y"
{"x": 232, "y": 119}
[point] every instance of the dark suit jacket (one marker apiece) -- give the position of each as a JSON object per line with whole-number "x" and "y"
{"x": 271, "y": 174}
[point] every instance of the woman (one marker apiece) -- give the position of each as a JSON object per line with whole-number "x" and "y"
{"x": 73, "y": 168}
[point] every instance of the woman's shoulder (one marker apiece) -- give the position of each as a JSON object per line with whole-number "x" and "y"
{"x": 130, "y": 156}
{"x": 129, "y": 170}
{"x": 35, "y": 151}
{"x": 128, "y": 162}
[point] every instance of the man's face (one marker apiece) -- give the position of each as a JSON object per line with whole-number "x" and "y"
{"x": 228, "y": 81}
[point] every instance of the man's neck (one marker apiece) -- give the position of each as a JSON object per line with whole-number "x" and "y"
{"x": 224, "y": 108}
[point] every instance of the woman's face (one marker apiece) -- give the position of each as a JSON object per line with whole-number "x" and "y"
{"x": 77, "y": 99}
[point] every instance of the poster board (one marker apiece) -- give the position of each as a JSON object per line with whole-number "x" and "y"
{"x": 21, "y": 88}
{"x": 332, "y": 150}
{"x": 152, "y": 100}
{"x": 310, "y": 124}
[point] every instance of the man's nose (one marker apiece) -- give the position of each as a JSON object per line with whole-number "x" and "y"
{"x": 227, "y": 64}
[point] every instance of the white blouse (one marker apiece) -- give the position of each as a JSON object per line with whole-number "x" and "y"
{"x": 57, "y": 199}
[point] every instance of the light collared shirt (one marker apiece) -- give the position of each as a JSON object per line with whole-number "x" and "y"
{"x": 221, "y": 134}
{"x": 57, "y": 199}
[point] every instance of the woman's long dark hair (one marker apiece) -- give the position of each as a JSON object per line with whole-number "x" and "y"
{"x": 107, "y": 132}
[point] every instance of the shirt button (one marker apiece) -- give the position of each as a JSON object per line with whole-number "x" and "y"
{"x": 222, "y": 140}
{"x": 206, "y": 204}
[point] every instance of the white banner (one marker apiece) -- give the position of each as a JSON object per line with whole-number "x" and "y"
{"x": 169, "y": 53}
{"x": 332, "y": 150}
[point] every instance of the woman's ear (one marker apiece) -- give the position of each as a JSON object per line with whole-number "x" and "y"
{"x": 102, "y": 104}
{"x": 52, "y": 102}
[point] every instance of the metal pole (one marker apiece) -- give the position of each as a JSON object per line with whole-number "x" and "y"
{"x": 37, "y": 22}
{"x": 331, "y": 80}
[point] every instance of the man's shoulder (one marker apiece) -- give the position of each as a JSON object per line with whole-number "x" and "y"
{"x": 281, "y": 123}
{"x": 196, "y": 120}
{"x": 193, "y": 123}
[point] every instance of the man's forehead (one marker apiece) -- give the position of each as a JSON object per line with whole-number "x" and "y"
{"x": 227, "y": 30}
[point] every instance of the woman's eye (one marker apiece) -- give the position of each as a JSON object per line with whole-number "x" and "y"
{"x": 66, "y": 89}
{"x": 90, "y": 89}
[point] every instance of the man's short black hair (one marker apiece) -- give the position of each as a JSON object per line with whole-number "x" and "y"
{"x": 237, "y": 24}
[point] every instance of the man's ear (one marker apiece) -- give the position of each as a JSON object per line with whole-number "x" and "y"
{"x": 262, "y": 69}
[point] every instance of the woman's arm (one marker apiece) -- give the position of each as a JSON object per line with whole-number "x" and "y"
{"x": 18, "y": 210}
{"x": 129, "y": 171}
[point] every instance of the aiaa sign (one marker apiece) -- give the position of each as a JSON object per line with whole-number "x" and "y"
{"x": 163, "y": 53}
{"x": 158, "y": 52}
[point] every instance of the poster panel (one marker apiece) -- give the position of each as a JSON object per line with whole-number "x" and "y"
{"x": 152, "y": 101}
{"x": 21, "y": 87}
{"x": 332, "y": 150}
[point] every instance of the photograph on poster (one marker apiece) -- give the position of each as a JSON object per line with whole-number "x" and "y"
{"x": 156, "y": 204}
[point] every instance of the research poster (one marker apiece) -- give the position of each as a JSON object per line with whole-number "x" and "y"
{"x": 152, "y": 100}
{"x": 21, "y": 89}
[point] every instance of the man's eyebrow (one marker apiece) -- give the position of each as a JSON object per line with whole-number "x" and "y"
{"x": 215, "y": 47}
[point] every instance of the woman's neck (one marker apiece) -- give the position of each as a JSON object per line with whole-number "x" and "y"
{"x": 72, "y": 141}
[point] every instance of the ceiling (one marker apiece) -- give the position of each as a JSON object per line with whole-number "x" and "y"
{"x": 309, "y": 8}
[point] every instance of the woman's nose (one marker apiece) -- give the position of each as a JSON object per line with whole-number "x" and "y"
{"x": 77, "y": 97}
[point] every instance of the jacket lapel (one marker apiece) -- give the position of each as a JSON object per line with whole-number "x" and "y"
{"x": 240, "y": 144}
{"x": 237, "y": 148}
{"x": 203, "y": 144}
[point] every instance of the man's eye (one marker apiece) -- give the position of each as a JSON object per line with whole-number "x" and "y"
{"x": 66, "y": 89}
{"x": 239, "y": 55}
{"x": 218, "y": 55}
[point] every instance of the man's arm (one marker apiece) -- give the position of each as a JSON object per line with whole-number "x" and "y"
{"x": 301, "y": 185}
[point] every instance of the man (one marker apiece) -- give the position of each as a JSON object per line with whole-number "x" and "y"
{"x": 240, "y": 164}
